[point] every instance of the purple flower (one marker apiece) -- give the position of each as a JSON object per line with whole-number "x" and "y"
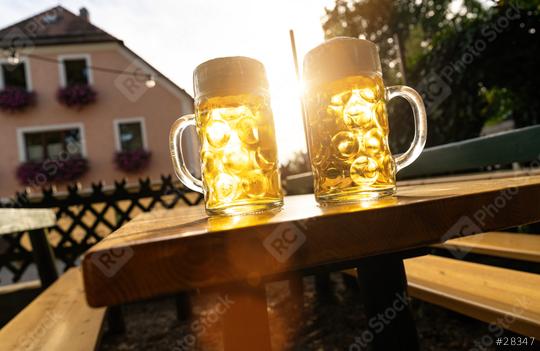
{"x": 132, "y": 161}
{"x": 38, "y": 173}
{"x": 16, "y": 99}
{"x": 78, "y": 95}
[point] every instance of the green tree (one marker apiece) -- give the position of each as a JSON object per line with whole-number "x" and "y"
{"x": 463, "y": 51}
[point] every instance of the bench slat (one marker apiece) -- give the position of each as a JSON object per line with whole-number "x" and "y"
{"x": 516, "y": 246}
{"x": 19, "y": 219}
{"x": 487, "y": 293}
{"x": 58, "y": 319}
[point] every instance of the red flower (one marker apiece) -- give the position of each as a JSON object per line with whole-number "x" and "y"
{"x": 78, "y": 95}
{"x": 132, "y": 161}
{"x": 38, "y": 173}
{"x": 16, "y": 99}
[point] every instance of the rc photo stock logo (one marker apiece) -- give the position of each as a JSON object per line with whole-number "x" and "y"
{"x": 284, "y": 241}
{"x": 111, "y": 261}
{"x": 463, "y": 227}
{"x": 469, "y": 225}
{"x": 434, "y": 90}
{"x": 134, "y": 82}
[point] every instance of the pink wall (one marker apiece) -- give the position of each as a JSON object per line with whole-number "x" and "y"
{"x": 159, "y": 106}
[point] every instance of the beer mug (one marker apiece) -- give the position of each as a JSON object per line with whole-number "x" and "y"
{"x": 347, "y": 123}
{"x": 235, "y": 128}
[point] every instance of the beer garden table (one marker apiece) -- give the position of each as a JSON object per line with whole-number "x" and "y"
{"x": 171, "y": 251}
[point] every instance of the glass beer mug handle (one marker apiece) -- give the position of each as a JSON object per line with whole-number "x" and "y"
{"x": 177, "y": 155}
{"x": 420, "y": 121}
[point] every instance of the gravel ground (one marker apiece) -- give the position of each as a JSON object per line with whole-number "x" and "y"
{"x": 329, "y": 324}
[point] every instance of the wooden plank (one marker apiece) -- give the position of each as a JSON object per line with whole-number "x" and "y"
{"x": 245, "y": 322}
{"x": 58, "y": 319}
{"x": 11, "y": 288}
{"x": 522, "y": 172}
{"x": 501, "y": 296}
{"x": 519, "y": 145}
{"x": 303, "y": 183}
{"x": 164, "y": 252}
{"x": 525, "y": 247}
{"x": 16, "y": 220}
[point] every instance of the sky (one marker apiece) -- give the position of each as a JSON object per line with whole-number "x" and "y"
{"x": 175, "y": 36}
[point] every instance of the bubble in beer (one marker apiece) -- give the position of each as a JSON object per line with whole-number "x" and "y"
{"x": 381, "y": 116}
{"x": 217, "y": 133}
{"x": 388, "y": 168}
{"x": 265, "y": 158}
{"x": 335, "y": 178}
{"x": 247, "y": 131}
{"x": 224, "y": 187}
{"x": 340, "y": 99}
{"x": 364, "y": 171}
{"x": 236, "y": 159}
{"x": 346, "y": 143}
{"x": 357, "y": 113}
{"x": 373, "y": 142}
{"x": 210, "y": 161}
{"x": 254, "y": 184}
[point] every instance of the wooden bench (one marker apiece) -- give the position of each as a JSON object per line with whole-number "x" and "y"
{"x": 508, "y": 298}
{"x": 505, "y": 297}
{"x": 514, "y": 246}
{"x": 58, "y": 319}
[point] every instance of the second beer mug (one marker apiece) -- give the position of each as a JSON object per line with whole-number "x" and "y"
{"x": 235, "y": 127}
{"x": 347, "y": 123}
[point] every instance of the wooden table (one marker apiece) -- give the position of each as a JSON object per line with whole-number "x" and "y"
{"x": 166, "y": 252}
{"x": 36, "y": 222}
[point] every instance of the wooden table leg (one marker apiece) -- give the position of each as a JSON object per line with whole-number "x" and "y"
{"x": 43, "y": 257}
{"x": 296, "y": 287}
{"x": 383, "y": 285}
{"x": 246, "y": 321}
{"x": 115, "y": 319}
{"x": 183, "y": 306}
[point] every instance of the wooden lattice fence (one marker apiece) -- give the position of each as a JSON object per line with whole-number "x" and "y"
{"x": 85, "y": 216}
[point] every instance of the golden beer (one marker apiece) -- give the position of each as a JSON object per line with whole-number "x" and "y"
{"x": 348, "y": 139}
{"x": 347, "y": 123}
{"x": 235, "y": 127}
{"x": 238, "y": 152}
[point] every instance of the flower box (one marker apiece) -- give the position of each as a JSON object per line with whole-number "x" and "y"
{"x": 76, "y": 96}
{"x": 38, "y": 173}
{"x": 14, "y": 99}
{"x": 132, "y": 161}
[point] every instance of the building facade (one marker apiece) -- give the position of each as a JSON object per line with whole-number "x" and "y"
{"x": 77, "y": 105}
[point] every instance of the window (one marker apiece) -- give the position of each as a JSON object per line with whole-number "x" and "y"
{"x": 42, "y": 145}
{"x": 130, "y": 135}
{"x": 14, "y": 76}
{"x": 75, "y": 71}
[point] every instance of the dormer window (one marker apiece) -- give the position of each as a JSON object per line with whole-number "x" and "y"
{"x": 75, "y": 70}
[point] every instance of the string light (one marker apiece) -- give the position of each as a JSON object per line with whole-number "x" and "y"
{"x": 14, "y": 59}
{"x": 150, "y": 82}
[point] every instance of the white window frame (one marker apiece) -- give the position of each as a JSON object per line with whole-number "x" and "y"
{"x": 49, "y": 128}
{"x": 118, "y": 121}
{"x": 62, "y": 74}
{"x": 24, "y": 60}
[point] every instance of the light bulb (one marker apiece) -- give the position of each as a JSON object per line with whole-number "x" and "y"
{"x": 150, "y": 82}
{"x": 14, "y": 58}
